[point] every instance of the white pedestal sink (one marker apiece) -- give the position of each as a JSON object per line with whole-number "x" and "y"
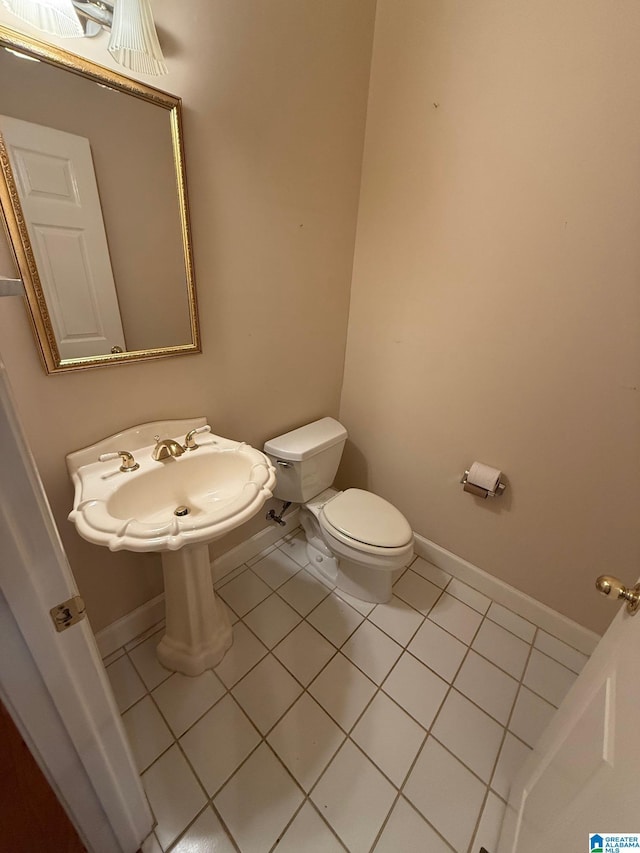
{"x": 175, "y": 506}
{"x": 198, "y": 631}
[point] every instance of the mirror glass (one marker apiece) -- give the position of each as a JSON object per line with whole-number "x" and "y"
{"x": 94, "y": 201}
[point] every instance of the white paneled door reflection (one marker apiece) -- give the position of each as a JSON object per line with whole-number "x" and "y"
{"x": 58, "y": 192}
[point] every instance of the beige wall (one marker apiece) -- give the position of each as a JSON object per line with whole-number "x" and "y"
{"x": 495, "y": 308}
{"x": 274, "y": 107}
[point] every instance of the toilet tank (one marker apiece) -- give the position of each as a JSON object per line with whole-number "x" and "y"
{"x": 306, "y": 459}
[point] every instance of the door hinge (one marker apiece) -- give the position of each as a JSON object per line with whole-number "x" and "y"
{"x": 68, "y": 613}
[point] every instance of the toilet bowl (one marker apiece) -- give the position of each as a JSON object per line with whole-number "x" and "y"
{"x": 355, "y": 539}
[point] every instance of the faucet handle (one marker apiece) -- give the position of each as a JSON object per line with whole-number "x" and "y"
{"x": 128, "y": 462}
{"x": 189, "y": 442}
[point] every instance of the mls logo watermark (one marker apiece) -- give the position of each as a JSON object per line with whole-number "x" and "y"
{"x": 613, "y": 842}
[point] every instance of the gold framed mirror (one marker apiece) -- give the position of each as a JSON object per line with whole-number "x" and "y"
{"x": 94, "y": 201}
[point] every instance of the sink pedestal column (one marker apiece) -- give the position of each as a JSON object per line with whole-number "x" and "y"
{"x": 198, "y": 631}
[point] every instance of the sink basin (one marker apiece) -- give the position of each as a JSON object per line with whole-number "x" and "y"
{"x": 221, "y": 484}
{"x": 214, "y": 488}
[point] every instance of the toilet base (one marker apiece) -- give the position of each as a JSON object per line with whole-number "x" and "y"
{"x": 364, "y": 582}
{"x": 325, "y": 565}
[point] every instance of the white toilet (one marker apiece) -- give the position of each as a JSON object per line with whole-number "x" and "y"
{"x": 355, "y": 539}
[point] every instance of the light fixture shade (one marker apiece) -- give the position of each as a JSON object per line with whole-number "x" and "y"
{"x": 134, "y": 41}
{"x": 57, "y": 17}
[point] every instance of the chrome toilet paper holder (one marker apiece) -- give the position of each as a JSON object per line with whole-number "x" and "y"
{"x": 478, "y": 491}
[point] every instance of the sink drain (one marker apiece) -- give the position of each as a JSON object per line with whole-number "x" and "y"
{"x": 181, "y": 510}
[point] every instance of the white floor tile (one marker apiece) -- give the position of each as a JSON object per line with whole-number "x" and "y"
{"x": 258, "y": 802}
{"x": 389, "y": 737}
{"x": 468, "y": 595}
{"x": 174, "y": 795}
{"x": 147, "y": 732}
{"x": 276, "y": 568}
{"x": 308, "y": 833}
{"x": 183, "y": 700}
{"x": 245, "y": 652}
{"x": 488, "y": 833}
{"x": 416, "y": 689}
{"x": 267, "y": 692}
{"x": 304, "y": 652}
{"x": 430, "y": 572}
{"x": 219, "y": 743}
{"x": 437, "y": 786}
{"x": 303, "y": 592}
{"x": 442, "y": 652}
{"x": 335, "y": 619}
{"x": 352, "y": 781}
{"x": 421, "y": 594}
{"x": 469, "y": 733}
{"x": 306, "y": 739}
{"x": 486, "y": 685}
{"x": 548, "y": 678}
{"x": 512, "y": 756}
{"x": 205, "y": 835}
{"x": 397, "y": 619}
{"x": 125, "y": 682}
{"x": 343, "y": 691}
{"x": 296, "y": 548}
{"x": 455, "y": 617}
{"x": 512, "y": 622}
{"x": 146, "y": 661}
{"x": 559, "y": 651}
{"x": 354, "y": 797}
{"x": 530, "y": 717}
{"x": 372, "y": 651}
{"x": 407, "y": 832}
{"x": 243, "y": 593}
{"x": 272, "y": 620}
{"x": 502, "y": 648}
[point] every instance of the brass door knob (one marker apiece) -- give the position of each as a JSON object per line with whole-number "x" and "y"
{"x": 608, "y": 585}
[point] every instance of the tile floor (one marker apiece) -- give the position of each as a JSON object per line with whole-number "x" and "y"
{"x": 336, "y": 725}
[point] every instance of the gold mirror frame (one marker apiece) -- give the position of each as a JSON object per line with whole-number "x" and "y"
{"x": 17, "y": 230}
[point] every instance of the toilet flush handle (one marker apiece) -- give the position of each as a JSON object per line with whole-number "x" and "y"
{"x": 284, "y": 464}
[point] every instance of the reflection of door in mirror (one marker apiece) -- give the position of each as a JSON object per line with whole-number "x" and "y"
{"x": 56, "y": 183}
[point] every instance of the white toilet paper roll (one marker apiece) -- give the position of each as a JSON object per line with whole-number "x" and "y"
{"x": 484, "y": 476}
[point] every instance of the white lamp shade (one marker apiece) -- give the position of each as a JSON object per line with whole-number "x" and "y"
{"x": 134, "y": 41}
{"x": 57, "y": 17}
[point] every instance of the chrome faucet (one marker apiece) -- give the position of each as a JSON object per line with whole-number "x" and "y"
{"x": 166, "y": 448}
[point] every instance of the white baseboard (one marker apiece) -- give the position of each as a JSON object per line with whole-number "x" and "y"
{"x": 133, "y": 624}
{"x": 529, "y": 608}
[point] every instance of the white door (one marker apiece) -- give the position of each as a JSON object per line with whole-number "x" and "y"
{"x": 58, "y": 192}
{"x": 54, "y": 684}
{"x": 584, "y": 775}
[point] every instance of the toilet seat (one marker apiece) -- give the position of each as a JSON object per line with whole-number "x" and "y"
{"x": 358, "y": 516}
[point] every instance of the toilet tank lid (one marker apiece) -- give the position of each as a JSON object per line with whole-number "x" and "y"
{"x": 307, "y": 440}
